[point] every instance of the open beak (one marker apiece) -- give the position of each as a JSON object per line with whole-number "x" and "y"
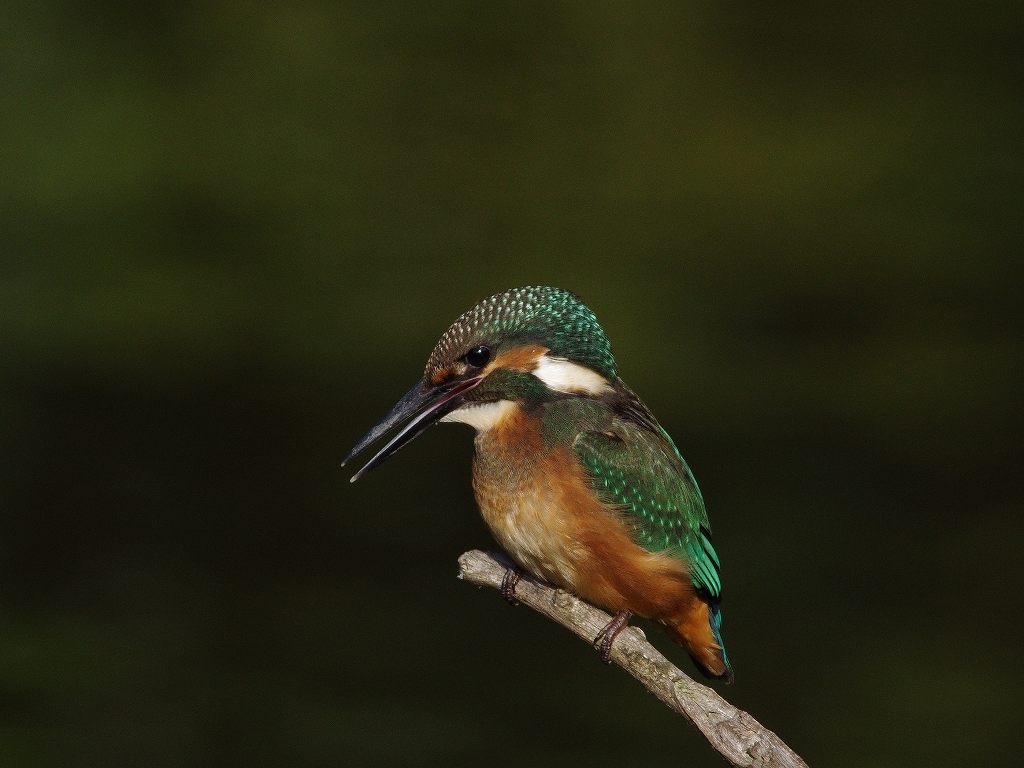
{"x": 421, "y": 406}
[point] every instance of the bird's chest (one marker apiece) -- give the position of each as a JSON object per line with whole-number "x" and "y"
{"x": 522, "y": 497}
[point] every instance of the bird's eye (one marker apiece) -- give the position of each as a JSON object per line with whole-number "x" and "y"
{"x": 478, "y": 356}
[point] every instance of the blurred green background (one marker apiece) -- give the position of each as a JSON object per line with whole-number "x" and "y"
{"x": 230, "y": 236}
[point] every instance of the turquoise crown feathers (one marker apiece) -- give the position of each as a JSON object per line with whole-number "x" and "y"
{"x": 554, "y": 317}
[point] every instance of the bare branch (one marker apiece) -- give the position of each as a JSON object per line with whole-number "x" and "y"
{"x": 735, "y": 734}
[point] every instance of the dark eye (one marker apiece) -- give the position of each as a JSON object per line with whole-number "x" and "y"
{"x": 478, "y": 356}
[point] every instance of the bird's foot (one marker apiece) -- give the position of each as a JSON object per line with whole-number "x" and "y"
{"x": 605, "y": 638}
{"x": 508, "y": 584}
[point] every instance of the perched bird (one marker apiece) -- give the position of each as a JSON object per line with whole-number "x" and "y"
{"x": 572, "y": 473}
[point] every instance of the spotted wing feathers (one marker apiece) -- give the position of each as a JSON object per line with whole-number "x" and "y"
{"x": 634, "y": 465}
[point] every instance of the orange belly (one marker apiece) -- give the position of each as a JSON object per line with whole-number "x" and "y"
{"x": 539, "y": 505}
{"x": 537, "y": 501}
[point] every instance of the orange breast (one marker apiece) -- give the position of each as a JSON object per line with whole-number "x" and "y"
{"x": 538, "y": 503}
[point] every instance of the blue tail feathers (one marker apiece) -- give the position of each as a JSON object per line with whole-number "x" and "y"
{"x": 715, "y": 620}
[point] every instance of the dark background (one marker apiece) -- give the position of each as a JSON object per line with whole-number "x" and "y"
{"x": 230, "y": 236}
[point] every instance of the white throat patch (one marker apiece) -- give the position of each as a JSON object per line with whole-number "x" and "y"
{"x": 565, "y": 376}
{"x": 482, "y": 416}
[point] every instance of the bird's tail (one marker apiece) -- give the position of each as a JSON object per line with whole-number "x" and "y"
{"x": 699, "y": 629}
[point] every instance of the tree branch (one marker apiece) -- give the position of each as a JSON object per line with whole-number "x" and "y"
{"x": 736, "y": 735}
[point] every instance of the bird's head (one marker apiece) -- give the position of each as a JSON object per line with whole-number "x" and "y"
{"x": 522, "y": 345}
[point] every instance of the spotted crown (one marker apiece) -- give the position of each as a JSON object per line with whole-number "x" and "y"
{"x": 556, "y": 318}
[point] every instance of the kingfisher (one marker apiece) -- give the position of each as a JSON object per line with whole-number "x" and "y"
{"x": 575, "y": 478}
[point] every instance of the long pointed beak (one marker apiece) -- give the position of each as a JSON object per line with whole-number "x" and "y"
{"x": 422, "y": 406}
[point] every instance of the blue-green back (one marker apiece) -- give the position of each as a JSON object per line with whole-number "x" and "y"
{"x": 634, "y": 465}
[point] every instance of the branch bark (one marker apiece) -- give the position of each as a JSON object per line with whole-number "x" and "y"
{"x": 735, "y": 734}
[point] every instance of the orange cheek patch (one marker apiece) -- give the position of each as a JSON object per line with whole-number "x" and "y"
{"x": 440, "y": 376}
{"x": 518, "y": 358}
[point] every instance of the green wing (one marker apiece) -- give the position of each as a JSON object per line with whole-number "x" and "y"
{"x": 634, "y": 465}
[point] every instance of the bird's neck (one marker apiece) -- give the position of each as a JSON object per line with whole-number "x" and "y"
{"x": 483, "y": 417}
